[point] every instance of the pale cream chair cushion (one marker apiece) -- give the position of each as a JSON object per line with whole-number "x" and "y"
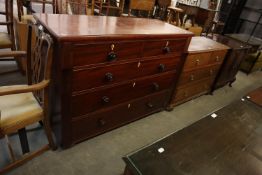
{"x": 26, "y": 18}
{"x": 18, "y": 111}
{"x": 5, "y": 41}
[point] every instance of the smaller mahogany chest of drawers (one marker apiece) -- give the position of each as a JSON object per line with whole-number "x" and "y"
{"x": 110, "y": 71}
{"x": 236, "y": 54}
{"x": 202, "y": 64}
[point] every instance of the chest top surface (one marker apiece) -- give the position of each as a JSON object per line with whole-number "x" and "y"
{"x": 203, "y": 44}
{"x": 68, "y": 27}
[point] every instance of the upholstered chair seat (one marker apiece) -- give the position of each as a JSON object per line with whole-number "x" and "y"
{"x": 18, "y": 111}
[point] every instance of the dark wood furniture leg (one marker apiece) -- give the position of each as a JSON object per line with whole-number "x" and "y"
{"x": 127, "y": 171}
{"x": 23, "y": 140}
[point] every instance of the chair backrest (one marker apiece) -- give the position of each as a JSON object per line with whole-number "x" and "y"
{"x": 80, "y": 7}
{"x": 28, "y": 4}
{"x": 39, "y": 58}
{"x": 9, "y": 20}
{"x": 109, "y": 7}
{"x": 145, "y": 5}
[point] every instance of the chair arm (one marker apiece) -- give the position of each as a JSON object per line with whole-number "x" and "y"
{"x": 4, "y": 54}
{"x": 23, "y": 89}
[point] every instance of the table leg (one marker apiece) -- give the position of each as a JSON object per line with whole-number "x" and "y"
{"x": 23, "y": 140}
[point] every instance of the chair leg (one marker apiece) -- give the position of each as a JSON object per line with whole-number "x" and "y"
{"x": 48, "y": 132}
{"x": 11, "y": 152}
{"x": 23, "y": 140}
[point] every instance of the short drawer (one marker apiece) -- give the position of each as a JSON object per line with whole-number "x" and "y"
{"x": 99, "y": 122}
{"x": 84, "y": 103}
{"x": 187, "y": 92}
{"x": 218, "y": 56}
{"x": 197, "y": 60}
{"x": 195, "y": 75}
{"x": 164, "y": 47}
{"x": 107, "y": 75}
{"x": 105, "y": 52}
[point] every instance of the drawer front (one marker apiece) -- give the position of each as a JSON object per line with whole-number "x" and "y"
{"x": 194, "y": 61}
{"x": 192, "y": 90}
{"x": 217, "y": 56}
{"x": 193, "y": 76}
{"x": 164, "y": 47}
{"x": 99, "y": 122}
{"x": 105, "y": 53}
{"x": 114, "y": 95}
{"x": 106, "y": 75}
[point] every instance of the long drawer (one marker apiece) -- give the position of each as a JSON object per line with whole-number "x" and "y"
{"x": 99, "y": 122}
{"x": 199, "y": 87}
{"x": 195, "y": 75}
{"x": 106, "y": 75}
{"x": 113, "y": 95}
{"x": 88, "y": 54}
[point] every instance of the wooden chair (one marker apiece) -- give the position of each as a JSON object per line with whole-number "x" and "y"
{"x": 7, "y": 39}
{"x": 23, "y": 105}
{"x": 109, "y": 7}
{"x": 85, "y": 7}
{"x": 173, "y": 16}
{"x": 162, "y": 9}
{"x": 28, "y": 5}
{"x": 138, "y": 5}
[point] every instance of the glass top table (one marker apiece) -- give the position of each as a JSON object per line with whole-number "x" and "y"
{"x": 255, "y": 42}
{"x": 226, "y": 142}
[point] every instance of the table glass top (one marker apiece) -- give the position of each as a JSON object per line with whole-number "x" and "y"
{"x": 246, "y": 38}
{"x": 225, "y": 142}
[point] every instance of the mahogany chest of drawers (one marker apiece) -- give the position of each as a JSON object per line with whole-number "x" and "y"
{"x": 236, "y": 54}
{"x": 202, "y": 64}
{"x": 109, "y": 71}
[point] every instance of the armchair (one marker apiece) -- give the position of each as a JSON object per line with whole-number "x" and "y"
{"x": 23, "y": 105}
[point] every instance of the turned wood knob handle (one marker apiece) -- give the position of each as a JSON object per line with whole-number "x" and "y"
{"x": 166, "y": 49}
{"x": 156, "y": 86}
{"x": 109, "y": 76}
{"x": 161, "y": 67}
{"x": 217, "y": 58}
{"x": 150, "y": 105}
{"x": 111, "y": 56}
{"x": 101, "y": 122}
{"x": 105, "y": 99}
